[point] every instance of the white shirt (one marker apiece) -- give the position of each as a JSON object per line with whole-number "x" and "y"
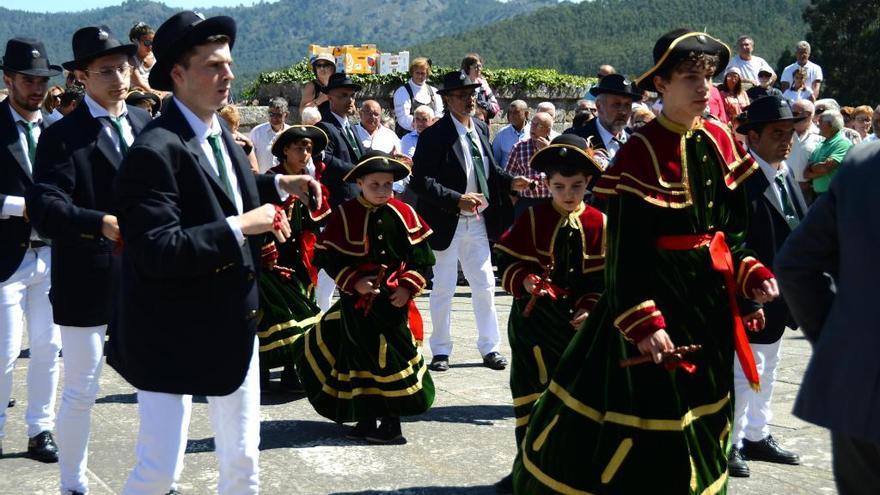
{"x": 103, "y": 117}
{"x": 422, "y": 95}
{"x": 794, "y": 197}
{"x": 408, "y": 144}
{"x": 262, "y": 136}
{"x": 611, "y": 144}
{"x": 468, "y": 160}
{"x": 53, "y": 117}
{"x": 814, "y": 73}
{"x": 382, "y": 139}
{"x": 13, "y": 206}
{"x": 870, "y": 137}
{"x": 749, "y": 68}
{"x": 802, "y": 94}
{"x": 801, "y": 149}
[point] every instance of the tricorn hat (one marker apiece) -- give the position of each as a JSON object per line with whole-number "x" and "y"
{"x": 616, "y": 84}
{"x": 28, "y": 56}
{"x": 766, "y": 110}
{"x": 93, "y": 42}
{"x": 456, "y": 80}
{"x": 179, "y": 33}
{"x": 295, "y": 132}
{"x": 677, "y": 45}
{"x": 341, "y": 80}
{"x": 566, "y": 150}
{"x": 377, "y": 161}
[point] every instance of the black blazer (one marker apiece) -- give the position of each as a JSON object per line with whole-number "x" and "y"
{"x": 15, "y": 178}
{"x": 767, "y": 231}
{"x": 339, "y": 158}
{"x": 72, "y": 191}
{"x": 439, "y": 179}
{"x": 187, "y": 316}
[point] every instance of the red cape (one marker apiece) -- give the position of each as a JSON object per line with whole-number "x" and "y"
{"x": 346, "y": 230}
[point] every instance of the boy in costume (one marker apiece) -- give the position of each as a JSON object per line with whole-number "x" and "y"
{"x": 676, "y": 266}
{"x": 287, "y": 284}
{"x": 551, "y": 261}
{"x": 361, "y": 363}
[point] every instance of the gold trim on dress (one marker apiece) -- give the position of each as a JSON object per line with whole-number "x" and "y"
{"x": 383, "y": 351}
{"x": 616, "y": 460}
{"x": 547, "y": 480}
{"x": 288, "y": 324}
{"x": 340, "y": 394}
{"x": 522, "y": 421}
{"x": 280, "y": 343}
{"x": 542, "y": 368}
{"x": 638, "y": 307}
{"x": 395, "y": 377}
{"x": 525, "y": 399}
{"x": 716, "y": 485}
{"x": 694, "y": 482}
{"x": 539, "y": 442}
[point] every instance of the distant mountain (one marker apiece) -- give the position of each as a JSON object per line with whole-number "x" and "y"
{"x": 273, "y": 35}
{"x": 577, "y": 38}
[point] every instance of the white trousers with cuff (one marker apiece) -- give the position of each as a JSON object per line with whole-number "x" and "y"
{"x": 752, "y": 413}
{"x": 324, "y": 290}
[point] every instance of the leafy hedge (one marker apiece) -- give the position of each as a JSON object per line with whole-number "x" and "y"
{"x": 498, "y": 79}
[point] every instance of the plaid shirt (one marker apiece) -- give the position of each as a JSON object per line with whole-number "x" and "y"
{"x": 518, "y": 164}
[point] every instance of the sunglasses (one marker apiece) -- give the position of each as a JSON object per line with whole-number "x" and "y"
{"x": 324, "y": 65}
{"x": 147, "y": 43}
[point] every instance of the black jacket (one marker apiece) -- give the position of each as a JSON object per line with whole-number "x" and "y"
{"x": 73, "y": 190}
{"x": 339, "y": 158}
{"x": 188, "y": 312}
{"x": 439, "y": 179}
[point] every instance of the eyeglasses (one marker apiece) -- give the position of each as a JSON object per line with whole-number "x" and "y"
{"x": 276, "y": 115}
{"x": 111, "y": 73}
{"x": 147, "y": 43}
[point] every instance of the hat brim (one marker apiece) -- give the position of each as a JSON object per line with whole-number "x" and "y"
{"x": 378, "y": 164}
{"x": 645, "y": 82}
{"x": 135, "y": 99}
{"x": 52, "y": 71}
{"x": 444, "y": 91}
{"x": 160, "y": 74}
{"x": 316, "y": 134}
{"x": 748, "y": 126}
{"x": 575, "y": 157}
{"x": 352, "y": 86}
{"x": 128, "y": 50}
{"x": 598, "y": 91}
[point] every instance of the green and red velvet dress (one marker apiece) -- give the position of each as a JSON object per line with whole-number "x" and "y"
{"x": 600, "y": 428}
{"x": 287, "y": 285}
{"x": 570, "y": 248}
{"x": 356, "y": 366}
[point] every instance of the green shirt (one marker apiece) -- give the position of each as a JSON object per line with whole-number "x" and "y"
{"x": 835, "y": 148}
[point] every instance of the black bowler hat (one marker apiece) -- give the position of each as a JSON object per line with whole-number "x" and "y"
{"x": 179, "y": 33}
{"x": 567, "y": 151}
{"x": 295, "y": 132}
{"x": 377, "y": 161}
{"x": 456, "y": 80}
{"x": 677, "y": 45}
{"x": 138, "y": 95}
{"x": 616, "y": 84}
{"x": 28, "y": 56}
{"x": 341, "y": 80}
{"x": 93, "y": 42}
{"x": 766, "y": 110}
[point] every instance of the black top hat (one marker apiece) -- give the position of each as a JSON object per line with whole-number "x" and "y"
{"x": 456, "y": 80}
{"x": 377, "y": 161}
{"x": 179, "y": 33}
{"x": 677, "y": 45}
{"x": 28, "y": 56}
{"x": 766, "y": 110}
{"x": 616, "y": 84}
{"x": 92, "y": 42}
{"x": 341, "y": 80}
{"x": 295, "y": 132}
{"x": 566, "y": 150}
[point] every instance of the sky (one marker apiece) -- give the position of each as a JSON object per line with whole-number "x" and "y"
{"x": 77, "y": 5}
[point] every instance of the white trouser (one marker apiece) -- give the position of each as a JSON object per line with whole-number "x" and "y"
{"x": 24, "y": 297}
{"x": 324, "y": 290}
{"x": 752, "y": 414}
{"x": 235, "y": 419}
{"x": 470, "y": 246}
{"x": 83, "y": 361}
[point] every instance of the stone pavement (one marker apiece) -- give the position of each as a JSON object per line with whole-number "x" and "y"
{"x": 461, "y": 446}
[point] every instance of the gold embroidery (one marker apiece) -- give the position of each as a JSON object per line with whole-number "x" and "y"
{"x": 616, "y": 460}
{"x": 539, "y": 442}
{"x": 542, "y": 368}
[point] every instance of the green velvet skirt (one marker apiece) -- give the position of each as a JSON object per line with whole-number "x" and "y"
{"x": 287, "y": 309}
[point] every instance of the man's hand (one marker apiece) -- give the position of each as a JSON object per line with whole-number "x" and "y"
{"x": 754, "y": 322}
{"x": 529, "y": 285}
{"x": 261, "y": 220}
{"x": 367, "y": 285}
{"x": 542, "y": 142}
{"x": 301, "y": 186}
{"x": 405, "y": 159}
{"x": 400, "y": 296}
{"x": 110, "y": 227}
{"x": 768, "y": 291}
{"x": 520, "y": 182}
{"x": 656, "y": 344}
{"x": 469, "y": 202}
{"x": 579, "y": 317}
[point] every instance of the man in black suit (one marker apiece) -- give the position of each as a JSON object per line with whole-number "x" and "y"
{"x": 776, "y": 208}
{"x": 70, "y": 203}
{"x": 190, "y": 214}
{"x": 464, "y": 197}
{"x": 344, "y": 149}
{"x": 615, "y": 95}
{"x": 25, "y": 263}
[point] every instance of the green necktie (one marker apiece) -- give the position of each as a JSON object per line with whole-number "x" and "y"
{"x": 31, "y": 142}
{"x": 352, "y": 140}
{"x": 788, "y": 210}
{"x": 477, "y": 159}
{"x": 221, "y": 164}
{"x": 117, "y": 124}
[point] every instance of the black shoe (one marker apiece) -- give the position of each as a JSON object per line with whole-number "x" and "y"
{"x": 361, "y": 429}
{"x": 11, "y": 402}
{"x": 173, "y": 492}
{"x": 388, "y": 433}
{"x": 42, "y": 448}
{"x": 770, "y": 451}
{"x": 736, "y": 465}
{"x": 290, "y": 381}
{"x": 440, "y": 362}
{"x": 495, "y": 361}
{"x": 505, "y": 485}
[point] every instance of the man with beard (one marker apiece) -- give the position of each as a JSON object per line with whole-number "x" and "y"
{"x": 615, "y": 95}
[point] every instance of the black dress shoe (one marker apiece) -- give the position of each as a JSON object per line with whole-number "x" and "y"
{"x": 495, "y": 361}
{"x": 388, "y": 433}
{"x": 11, "y": 402}
{"x": 505, "y": 485}
{"x": 440, "y": 362}
{"x": 770, "y": 451}
{"x": 736, "y": 465}
{"x": 361, "y": 429}
{"x": 42, "y": 448}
